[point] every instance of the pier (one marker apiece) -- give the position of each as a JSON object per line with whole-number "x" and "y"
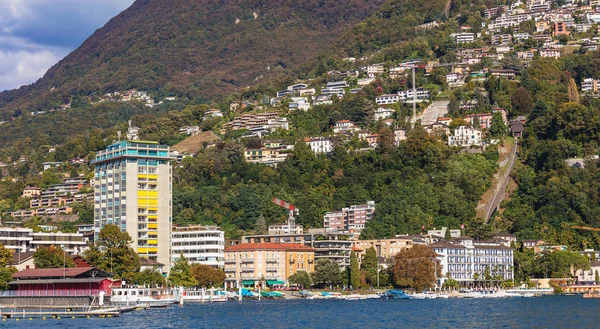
{"x": 51, "y": 312}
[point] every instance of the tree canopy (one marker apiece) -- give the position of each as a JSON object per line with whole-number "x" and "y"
{"x": 327, "y": 272}
{"x": 181, "y": 273}
{"x": 52, "y": 257}
{"x": 416, "y": 267}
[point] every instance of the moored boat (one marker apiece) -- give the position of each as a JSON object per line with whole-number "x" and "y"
{"x": 142, "y": 297}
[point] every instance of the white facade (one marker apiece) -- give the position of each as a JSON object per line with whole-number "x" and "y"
{"x": 465, "y": 136}
{"x": 199, "y": 244}
{"x": 21, "y": 239}
{"x": 467, "y": 261}
{"x": 464, "y": 37}
{"x": 382, "y": 113}
{"x": 299, "y": 103}
{"x": 320, "y": 145}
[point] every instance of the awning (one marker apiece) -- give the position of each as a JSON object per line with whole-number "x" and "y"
{"x": 248, "y": 283}
{"x": 272, "y": 282}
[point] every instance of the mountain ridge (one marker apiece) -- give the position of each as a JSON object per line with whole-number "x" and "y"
{"x": 192, "y": 48}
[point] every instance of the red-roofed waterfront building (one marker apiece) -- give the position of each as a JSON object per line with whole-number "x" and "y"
{"x": 249, "y": 263}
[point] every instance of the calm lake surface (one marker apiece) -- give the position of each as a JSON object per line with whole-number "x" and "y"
{"x": 543, "y": 312}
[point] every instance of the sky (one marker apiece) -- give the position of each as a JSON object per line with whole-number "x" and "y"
{"x": 36, "y": 34}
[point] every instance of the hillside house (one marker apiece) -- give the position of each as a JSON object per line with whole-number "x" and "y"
{"x": 465, "y": 136}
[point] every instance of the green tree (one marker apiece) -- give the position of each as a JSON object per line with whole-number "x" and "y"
{"x": 327, "y": 272}
{"x": 416, "y": 267}
{"x": 369, "y": 265}
{"x": 451, "y": 284}
{"x": 596, "y": 277}
{"x": 6, "y": 271}
{"x": 112, "y": 253}
{"x": 52, "y": 257}
{"x": 181, "y": 273}
{"x": 301, "y": 278}
{"x": 354, "y": 279}
{"x": 448, "y": 235}
{"x": 49, "y": 178}
{"x": 207, "y": 276}
{"x": 522, "y": 102}
{"x": 261, "y": 226}
{"x": 498, "y": 128}
{"x": 149, "y": 277}
{"x": 561, "y": 264}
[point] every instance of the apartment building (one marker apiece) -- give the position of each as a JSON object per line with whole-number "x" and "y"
{"x": 351, "y": 219}
{"x": 465, "y": 136}
{"x": 463, "y": 37}
{"x": 466, "y": 260}
{"x": 132, "y": 189}
{"x": 590, "y": 85}
{"x": 247, "y": 264}
{"x": 22, "y": 239}
{"x": 403, "y": 96}
{"x": 199, "y": 245}
{"x": 386, "y": 249}
{"x": 328, "y": 245}
{"x": 268, "y": 156}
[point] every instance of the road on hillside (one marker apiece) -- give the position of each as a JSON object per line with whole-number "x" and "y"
{"x": 433, "y": 112}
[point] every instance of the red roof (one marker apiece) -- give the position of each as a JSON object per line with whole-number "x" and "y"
{"x": 344, "y": 121}
{"x": 357, "y": 249}
{"x": 269, "y": 246}
{"x": 45, "y": 273}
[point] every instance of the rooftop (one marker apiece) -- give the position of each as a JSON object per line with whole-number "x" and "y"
{"x": 269, "y": 246}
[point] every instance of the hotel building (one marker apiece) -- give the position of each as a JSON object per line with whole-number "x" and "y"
{"x": 132, "y": 189}
{"x": 248, "y": 263}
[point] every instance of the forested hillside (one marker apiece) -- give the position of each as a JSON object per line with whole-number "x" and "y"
{"x": 420, "y": 183}
{"x": 553, "y": 196}
{"x": 192, "y": 48}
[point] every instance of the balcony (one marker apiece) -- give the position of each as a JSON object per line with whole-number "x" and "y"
{"x": 230, "y": 270}
{"x": 248, "y": 269}
{"x": 251, "y": 260}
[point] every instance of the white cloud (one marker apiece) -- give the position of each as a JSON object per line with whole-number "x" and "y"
{"x": 35, "y": 34}
{"x": 24, "y": 67}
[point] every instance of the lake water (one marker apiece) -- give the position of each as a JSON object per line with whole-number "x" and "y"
{"x": 543, "y": 312}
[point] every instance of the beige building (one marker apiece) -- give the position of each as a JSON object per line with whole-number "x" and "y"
{"x": 386, "y": 248}
{"x": 132, "y": 189}
{"x": 249, "y": 264}
{"x": 31, "y": 192}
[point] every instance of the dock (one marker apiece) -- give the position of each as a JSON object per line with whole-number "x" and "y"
{"x": 66, "y": 312}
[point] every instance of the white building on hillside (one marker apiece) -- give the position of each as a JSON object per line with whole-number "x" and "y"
{"x": 199, "y": 245}
{"x": 320, "y": 145}
{"x": 465, "y": 136}
{"x": 382, "y": 113}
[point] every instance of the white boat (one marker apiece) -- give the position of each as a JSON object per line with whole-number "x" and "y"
{"x": 142, "y": 297}
{"x": 352, "y": 297}
{"x": 535, "y": 291}
{"x": 203, "y": 296}
{"x": 425, "y": 295}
